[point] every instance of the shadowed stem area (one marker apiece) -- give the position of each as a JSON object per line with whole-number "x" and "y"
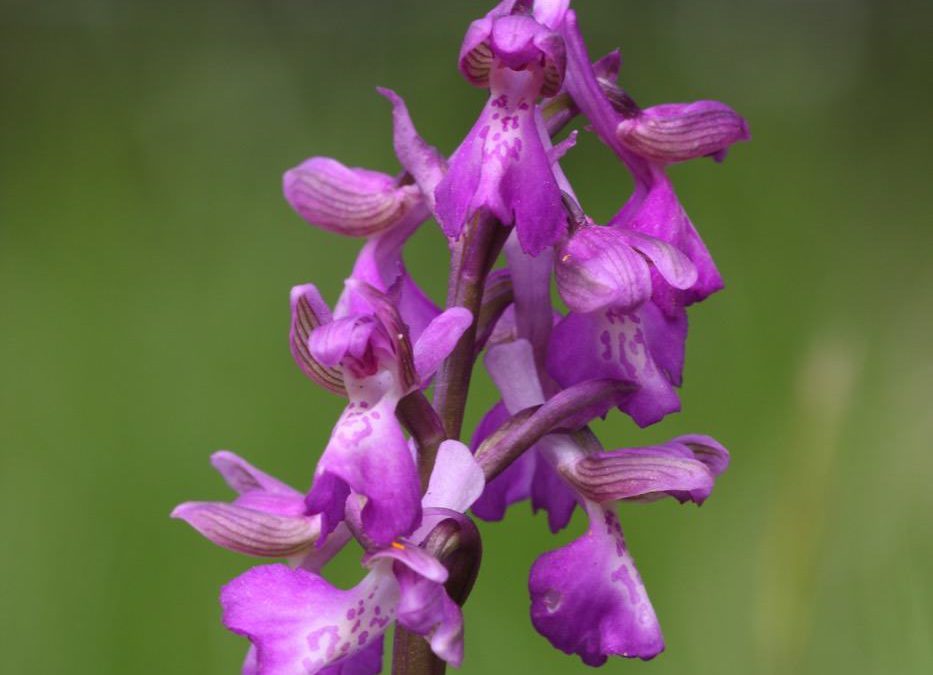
{"x": 472, "y": 257}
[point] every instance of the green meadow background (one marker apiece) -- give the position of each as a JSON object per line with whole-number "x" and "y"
{"x": 146, "y": 255}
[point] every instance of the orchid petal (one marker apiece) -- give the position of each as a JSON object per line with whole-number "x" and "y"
{"x": 531, "y": 284}
{"x": 612, "y": 344}
{"x": 658, "y": 213}
{"x": 550, "y": 493}
{"x": 673, "y": 265}
{"x": 675, "y": 132}
{"x": 642, "y": 474}
{"x": 439, "y": 339}
{"x": 510, "y": 486}
{"x": 380, "y": 265}
{"x": 424, "y": 608}
{"x": 368, "y": 454}
{"x": 309, "y": 311}
{"x": 457, "y": 480}
{"x": 421, "y": 160}
{"x": 512, "y": 368}
{"x": 706, "y": 449}
{"x": 596, "y": 269}
{"x": 250, "y": 531}
{"x": 550, "y": 13}
{"x": 348, "y": 343}
{"x": 503, "y": 167}
{"x": 300, "y": 623}
{"x": 588, "y": 599}
{"x": 244, "y": 478}
{"x": 349, "y": 201}
{"x": 413, "y": 557}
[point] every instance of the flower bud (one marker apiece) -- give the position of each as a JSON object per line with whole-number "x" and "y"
{"x": 348, "y": 201}
{"x": 676, "y": 132}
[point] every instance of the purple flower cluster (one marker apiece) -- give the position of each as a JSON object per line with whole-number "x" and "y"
{"x": 394, "y": 476}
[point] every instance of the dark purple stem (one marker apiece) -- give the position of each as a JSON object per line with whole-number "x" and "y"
{"x": 472, "y": 257}
{"x": 417, "y": 415}
{"x": 565, "y": 412}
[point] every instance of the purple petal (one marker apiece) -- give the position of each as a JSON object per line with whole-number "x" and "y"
{"x": 244, "y": 478}
{"x": 368, "y": 454}
{"x": 667, "y": 339}
{"x": 612, "y": 345}
{"x": 457, "y": 480}
{"x": 424, "y": 608}
{"x": 531, "y": 288}
{"x": 300, "y": 623}
{"x": 251, "y": 662}
{"x": 250, "y": 531}
{"x": 347, "y": 343}
{"x": 476, "y": 56}
{"x": 673, "y": 265}
{"x": 413, "y": 557}
{"x": 439, "y": 339}
{"x": 309, "y": 311}
{"x": 367, "y": 661}
{"x": 352, "y": 202}
{"x": 588, "y": 599}
{"x": 607, "y": 68}
{"x": 380, "y": 265}
{"x": 706, "y": 449}
{"x": 513, "y": 484}
{"x": 551, "y": 493}
{"x": 372, "y": 337}
{"x": 675, "y": 132}
{"x": 597, "y": 269}
{"x": 512, "y": 367}
{"x": 642, "y": 474}
{"x": 557, "y": 152}
{"x": 658, "y": 213}
{"x": 550, "y": 13}
{"x": 421, "y": 160}
{"x": 503, "y": 167}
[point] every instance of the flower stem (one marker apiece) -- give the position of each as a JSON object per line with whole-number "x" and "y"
{"x": 417, "y": 415}
{"x": 472, "y": 256}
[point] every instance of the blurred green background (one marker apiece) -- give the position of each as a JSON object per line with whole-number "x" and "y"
{"x": 146, "y": 256}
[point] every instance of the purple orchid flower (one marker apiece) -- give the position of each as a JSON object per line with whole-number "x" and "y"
{"x": 298, "y": 622}
{"x": 504, "y": 165}
{"x": 268, "y": 519}
{"x": 386, "y": 210}
{"x": 646, "y": 141}
{"x": 606, "y": 276}
{"x": 587, "y": 597}
{"x": 367, "y": 349}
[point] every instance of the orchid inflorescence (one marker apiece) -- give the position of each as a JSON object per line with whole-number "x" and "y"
{"x": 395, "y": 476}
